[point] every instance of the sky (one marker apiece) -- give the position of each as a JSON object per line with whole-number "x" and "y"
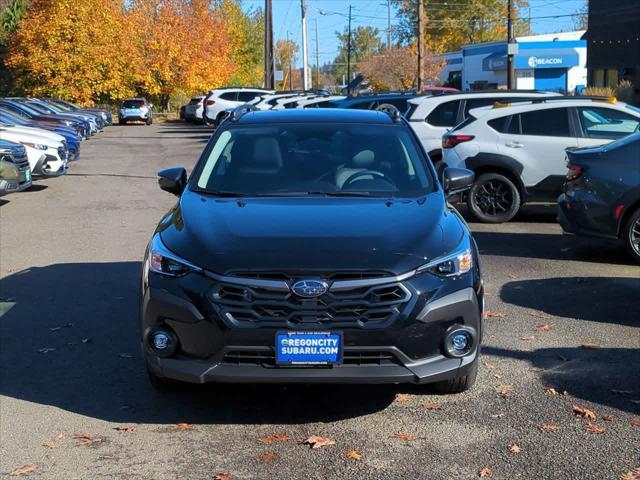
{"x": 287, "y": 20}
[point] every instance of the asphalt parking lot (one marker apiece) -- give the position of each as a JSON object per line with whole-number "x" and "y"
{"x": 70, "y": 252}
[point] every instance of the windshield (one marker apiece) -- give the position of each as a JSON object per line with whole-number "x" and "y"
{"x": 132, "y": 104}
{"x": 317, "y": 158}
{"x": 40, "y": 108}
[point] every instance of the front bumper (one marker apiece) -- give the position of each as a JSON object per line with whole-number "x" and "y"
{"x": 409, "y": 350}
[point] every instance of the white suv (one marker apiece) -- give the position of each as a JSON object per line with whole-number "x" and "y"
{"x": 432, "y": 116}
{"x": 219, "y": 101}
{"x": 518, "y": 152}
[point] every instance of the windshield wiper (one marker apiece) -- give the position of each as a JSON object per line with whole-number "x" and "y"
{"x": 346, "y": 194}
{"x": 214, "y": 193}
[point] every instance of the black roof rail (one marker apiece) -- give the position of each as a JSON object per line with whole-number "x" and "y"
{"x": 390, "y": 110}
{"x": 237, "y": 113}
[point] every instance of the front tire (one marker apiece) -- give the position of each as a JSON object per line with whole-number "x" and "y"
{"x": 149, "y": 121}
{"x": 122, "y": 122}
{"x": 632, "y": 235}
{"x": 493, "y": 198}
{"x": 458, "y": 384}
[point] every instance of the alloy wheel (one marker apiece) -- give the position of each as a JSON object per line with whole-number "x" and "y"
{"x": 494, "y": 197}
{"x": 634, "y": 236}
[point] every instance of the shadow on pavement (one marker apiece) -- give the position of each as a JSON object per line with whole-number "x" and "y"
{"x": 551, "y": 247}
{"x": 608, "y": 376}
{"x": 597, "y": 299}
{"x": 70, "y": 340}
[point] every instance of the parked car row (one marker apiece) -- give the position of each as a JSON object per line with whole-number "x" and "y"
{"x": 39, "y": 136}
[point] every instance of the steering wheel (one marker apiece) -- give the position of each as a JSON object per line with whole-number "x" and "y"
{"x": 371, "y": 173}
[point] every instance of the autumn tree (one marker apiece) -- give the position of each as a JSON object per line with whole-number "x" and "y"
{"x": 397, "y": 69}
{"x": 71, "y": 49}
{"x": 178, "y": 45}
{"x": 365, "y": 41}
{"x": 448, "y": 26}
{"x": 285, "y": 54}
{"x": 246, "y": 36}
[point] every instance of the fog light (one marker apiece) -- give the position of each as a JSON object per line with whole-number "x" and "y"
{"x": 163, "y": 342}
{"x": 459, "y": 341}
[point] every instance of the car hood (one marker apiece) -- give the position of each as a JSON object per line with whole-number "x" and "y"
{"x": 35, "y": 132}
{"x": 304, "y": 234}
{"x": 28, "y": 137}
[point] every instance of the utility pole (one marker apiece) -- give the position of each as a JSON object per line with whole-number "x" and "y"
{"x": 421, "y": 46}
{"x": 349, "y": 53}
{"x": 268, "y": 46}
{"x": 388, "y": 24}
{"x": 305, "y": 76}
{"x": 317, "y": 56}
{"x": 290, "y": 72}
{"x": 512, "y": 48}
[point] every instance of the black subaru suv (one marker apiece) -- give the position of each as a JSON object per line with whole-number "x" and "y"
{"x": 312, "y": 246}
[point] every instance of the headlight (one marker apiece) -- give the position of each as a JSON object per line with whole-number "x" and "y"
{"x": 37, "y": 146}
{"x": 454, "y": 264}
{"x": 165, "y": 262}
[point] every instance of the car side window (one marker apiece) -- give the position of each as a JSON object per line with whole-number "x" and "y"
{"x": 246, "y": 96}
{"x": 231, "y": 96}
{"x": 600, "y": 122}
{"x": 500, "y": 124}
{"x": 444, "y": 115}
{"x": 477, "y": 103}
{"x": 549, "y": 122}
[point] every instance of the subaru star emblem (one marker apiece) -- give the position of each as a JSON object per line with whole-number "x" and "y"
{"x": 309, "y": 288}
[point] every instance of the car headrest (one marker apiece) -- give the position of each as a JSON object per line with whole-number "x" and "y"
{"x": 363, "y": 159}
{"x": 266, "y": 158}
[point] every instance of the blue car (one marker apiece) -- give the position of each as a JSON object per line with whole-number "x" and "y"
{"x": 71, "y": 137}
{"x": 82, "y": 126}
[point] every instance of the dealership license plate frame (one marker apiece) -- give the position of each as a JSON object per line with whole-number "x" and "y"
{"x": 308, "y": 359}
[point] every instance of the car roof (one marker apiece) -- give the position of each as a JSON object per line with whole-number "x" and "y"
{"x": 519, "y": 107}
{"x": 481, "y": 94}
{"x": 315, "y": 115}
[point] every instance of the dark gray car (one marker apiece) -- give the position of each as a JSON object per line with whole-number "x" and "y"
{"x": 602, "y": 192}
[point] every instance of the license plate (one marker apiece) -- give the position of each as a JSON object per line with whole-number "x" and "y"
{"x": 308, "y": 348}
{"x": 27, "y": 175}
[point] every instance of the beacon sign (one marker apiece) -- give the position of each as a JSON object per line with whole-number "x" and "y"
{"x": 534, "y": 62}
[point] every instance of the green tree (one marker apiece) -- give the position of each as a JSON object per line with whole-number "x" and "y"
{"x": 365, "y": 42}
{"x": 448, "y": 26}
{"x": 9, "y": 19}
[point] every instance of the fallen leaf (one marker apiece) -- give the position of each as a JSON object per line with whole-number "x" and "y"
{"x": 354, "y": 454}
{"x": 46, "y": 350}
{"x": 550, "y": 391}
{"x": 539, "y": 315}
{"x": 86, "y": 340}
{"x": 86, "y": 438}
{"x": 125, "y": 355}
{"x": 543, "y": 327}
{"x": 485, "y": 472}
{"x": 635, "y": 421}
{"x": 402, "y": 397}
{"x": 565, "y": 393}
{"x": 498, "y": 376}
{"x": 549, "y": 427}
{"x": 607, "y": 418}
{"x": 490, "y": 366}
{"x": 268, "y": 457}
{"x": 515, "y": 448}
{"x": 505, "y": 390}
{"x": 23, "y": 470}
{"x": 513, "y": 276}
{"x": 490, "y": 314}
{"x": 60, "y": 436}
{"x": 583, "y": 412}
{"x": 527, "y": 338}
{"x": 593, "y": 428}
{"x": 50, "y": 445}
{"x": 407, "y": 437}
{"x": 54, "y": 329}
{"x": 622, "y": 392}
{"x": 278, "y": 437}
{"x": 431, "y": 406}
{"x": 497, "y": 415}
{"x": 590, "y": 346}
{"x": 631, "y": 474}
{"x": 563, "y": 358}
{"x": 184, "y": 426}
{"x": 125, "y": 428}
{"x": 316, "y": 441}
{"x": 222, "y": 476}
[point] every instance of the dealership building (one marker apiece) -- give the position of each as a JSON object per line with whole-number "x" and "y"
{"x": 554, "y": 62}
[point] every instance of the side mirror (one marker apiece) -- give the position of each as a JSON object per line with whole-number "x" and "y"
{"x": 456, "y": 180}
{"x": 173, "y": 180}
